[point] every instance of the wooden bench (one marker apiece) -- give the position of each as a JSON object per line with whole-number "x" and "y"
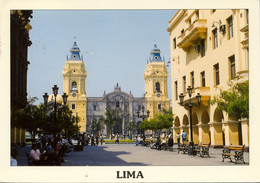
{"x": 202, "y": 149}
{"x": 236, "y": 151}
{"x": 184, "y": 147}
{"x": 167, "y": 147}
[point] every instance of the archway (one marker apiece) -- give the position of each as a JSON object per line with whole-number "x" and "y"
{"x": 176, "y": 128}
{"x": 185, "y": 123}
{"x": 219, "y": 133}
{"x": 205, "y": 132}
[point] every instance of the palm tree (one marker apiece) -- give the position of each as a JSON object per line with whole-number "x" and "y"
{"x": 110, "y": 119}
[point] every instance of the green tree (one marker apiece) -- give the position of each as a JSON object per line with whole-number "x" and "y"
{"x": 131, "y": 126}
{"x": 235, "y": 100}
{"x": 96, "y": 125}
{"x": 66, "y": 122}
{"x": 31, "y": 118}
{"x": 110, "y": 119}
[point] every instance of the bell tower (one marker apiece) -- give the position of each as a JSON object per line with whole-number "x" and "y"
{"x": 74, "y": 78}
{"x": 156, "y": 89}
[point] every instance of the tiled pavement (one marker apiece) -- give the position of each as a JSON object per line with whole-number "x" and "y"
{"x": 131, "y": 155}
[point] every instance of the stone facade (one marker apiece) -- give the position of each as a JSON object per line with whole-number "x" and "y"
{"x": 117, "y": 99}
{"x": 208, "y": 48}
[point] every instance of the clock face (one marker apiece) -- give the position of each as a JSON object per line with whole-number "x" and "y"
{"x": 74, "y": 95}
{"x": 158, "y": 95}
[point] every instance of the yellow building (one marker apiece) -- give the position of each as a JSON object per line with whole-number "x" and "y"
{"x": 156, "y": 90}
{"x": 74, "y": 76}
{"x": 208, "y": 48}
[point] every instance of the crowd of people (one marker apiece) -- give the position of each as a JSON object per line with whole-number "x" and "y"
{"x": 162, "y": 140}
{"x": 50, "y": 151}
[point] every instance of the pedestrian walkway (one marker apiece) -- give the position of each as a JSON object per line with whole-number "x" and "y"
{"x": 131, "y": 155}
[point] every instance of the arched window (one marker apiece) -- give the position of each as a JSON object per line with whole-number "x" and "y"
{"x": 157, "y": 87}
{"x": 74, "y": 86}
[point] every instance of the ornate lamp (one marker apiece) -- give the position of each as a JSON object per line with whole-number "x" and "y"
{"x": 45, "y": 98}
{"x": 181, "y": 97}
{"x": 65, "y": 97}
{"x": 55, "y": 90}
{"x": 198, "y": 97}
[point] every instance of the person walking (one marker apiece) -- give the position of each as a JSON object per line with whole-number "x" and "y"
{"x": 117, "y": 138}
{"x": 101, "y": 139}
{"x": 178, "y": 139}
{"x": 97, "y": 139}
{"x": 92, "y": 140}
{"x": 184, "y": 136}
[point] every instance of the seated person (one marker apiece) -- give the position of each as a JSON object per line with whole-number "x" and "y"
{"x": 170, "y": 141}
{"x": 14, "y": 154}
{"x": 36, "y": 156}
{"x": 138, "y": 140}
{"x": 158, "y": 143}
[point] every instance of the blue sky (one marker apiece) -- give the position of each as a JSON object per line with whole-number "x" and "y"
{"x": 115, "y": 45}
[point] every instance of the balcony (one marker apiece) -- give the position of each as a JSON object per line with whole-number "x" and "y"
{"x": 192, "y": 35}
{"x": 205, "y": 96}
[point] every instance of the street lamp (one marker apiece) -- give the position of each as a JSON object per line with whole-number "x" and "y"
{"x": 190, "y": 105}
{"x": 55, "y": 90}
{"x": 143, "y": 115}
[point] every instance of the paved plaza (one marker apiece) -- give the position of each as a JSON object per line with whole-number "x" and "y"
{"x": 131, "y": 155}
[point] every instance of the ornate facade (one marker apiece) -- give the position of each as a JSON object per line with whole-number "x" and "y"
{"x": 74, "y": 76}
{"x": 126, "y": 104}
{"x": 208, "y": 48}
{"x": 156, "y": 89}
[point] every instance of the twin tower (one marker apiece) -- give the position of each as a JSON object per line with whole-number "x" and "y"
{"x": 74, "y": 76}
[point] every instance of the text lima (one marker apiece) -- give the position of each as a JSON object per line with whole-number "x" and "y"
{"x": 129, "y": 174}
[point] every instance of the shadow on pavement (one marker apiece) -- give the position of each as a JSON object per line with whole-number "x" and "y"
{"x": 97, "y": 156}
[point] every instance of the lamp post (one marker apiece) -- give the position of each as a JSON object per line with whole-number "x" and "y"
{"x": 143, "y": 115}
{"x": 55, "y": 93}
{"x": 190, "y": 105}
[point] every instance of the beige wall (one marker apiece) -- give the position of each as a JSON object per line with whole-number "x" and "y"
{"x": 197, "y": 25}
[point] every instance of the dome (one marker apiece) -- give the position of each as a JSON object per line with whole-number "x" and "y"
{"x": 155, "y": 54}
{"x": 51, "y": 99}
{"x": 74, "y": 53}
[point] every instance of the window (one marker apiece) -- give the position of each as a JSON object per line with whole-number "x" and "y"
{"x": 139, "y": 107}
{"x": 215, "y": 38}
{"x": 203, "y": 81}
{"x": 94, "y": 107}
{"x": 157, "y": 87}
{"x": 213, "y": 11}
{"x": 74, "y": 86}
{"x": 159, "y": 106}
{"x": 230, "y": 27}
{"x": 182, "y": 31}
{"x": 184, "y": 83}
{"x": 192, "y": 79}
{"x": 117, "y": 104}
{"x": 216, "y": 73}
{"x": 202, "y": 45}
{"x": 73, "y": 106}
{"x": 176, "y": 90}
{"x": 174, "y": 43}
{"x": 232, "y": 66}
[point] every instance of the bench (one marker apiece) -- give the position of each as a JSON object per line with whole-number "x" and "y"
{"x": 167, "y": 147}
{"x": 184, "y": 147}
{"x": 146, "y": 143}
{"x": 236, "y": 151}
{"x": 202, "y": 149}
